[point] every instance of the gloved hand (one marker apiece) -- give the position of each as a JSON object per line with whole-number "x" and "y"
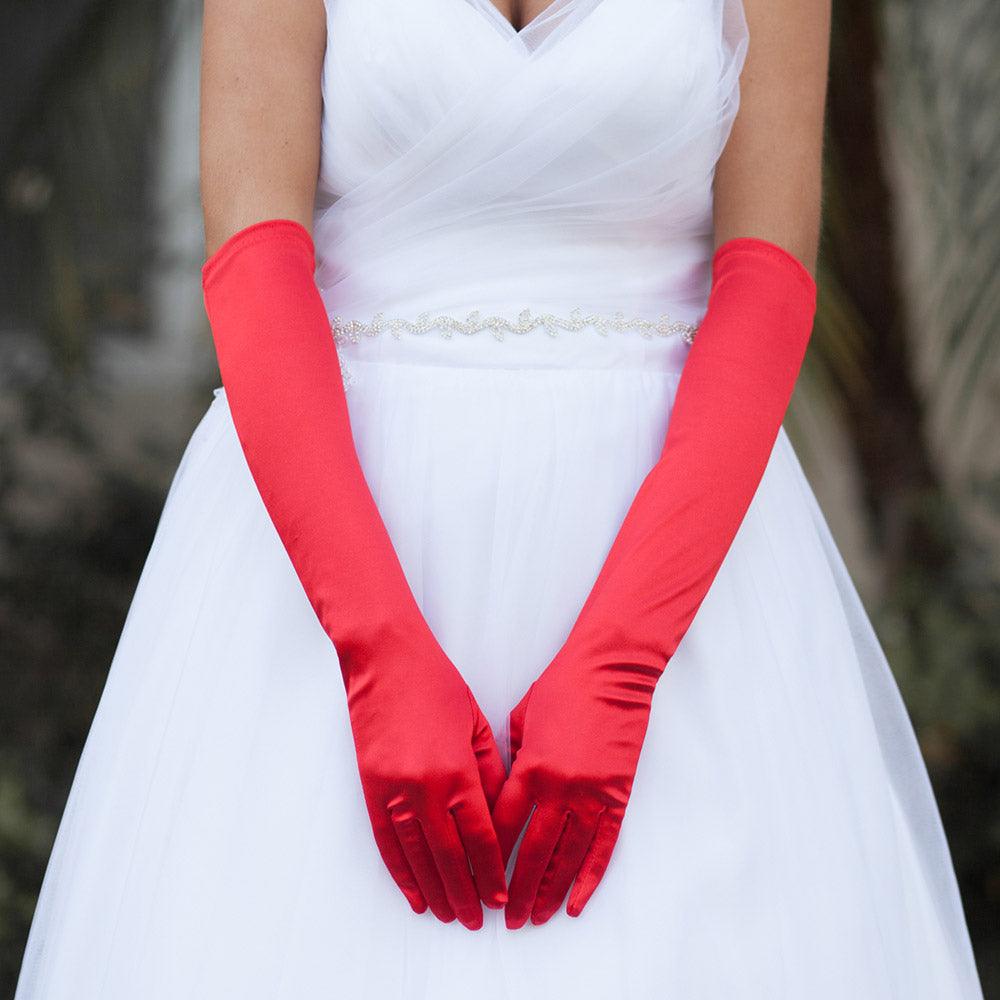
{"x": 577, "y": 734}
{"x": 430, "y": 770}
{"x": 429, "y": 766}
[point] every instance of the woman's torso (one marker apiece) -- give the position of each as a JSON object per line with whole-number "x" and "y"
{"x": 470, "y": 167}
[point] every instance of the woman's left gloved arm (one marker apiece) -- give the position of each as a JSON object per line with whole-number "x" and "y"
{"x": 577, "y": 733}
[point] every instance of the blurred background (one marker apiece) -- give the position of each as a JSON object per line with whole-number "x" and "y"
{"x": 106, "y": 365}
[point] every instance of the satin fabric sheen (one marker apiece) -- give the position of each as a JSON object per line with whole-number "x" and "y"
{"x": 429, "y": 765}
{"x": 781, "y": 839}
{"x": 578, "y": 732}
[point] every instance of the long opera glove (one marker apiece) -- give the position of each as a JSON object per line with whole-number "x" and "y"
{"x": 429, "y": 766}
{"x": 577, "y": 734}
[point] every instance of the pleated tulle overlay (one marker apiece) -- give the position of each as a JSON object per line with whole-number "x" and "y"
{"x": 514, "y": 236}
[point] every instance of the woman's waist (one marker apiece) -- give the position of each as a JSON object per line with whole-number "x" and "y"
{"x": 534, "y": 333}
{"x": 540, "y": 299}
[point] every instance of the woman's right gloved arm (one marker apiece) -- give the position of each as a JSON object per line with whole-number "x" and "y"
{"x": 429, "y": 766}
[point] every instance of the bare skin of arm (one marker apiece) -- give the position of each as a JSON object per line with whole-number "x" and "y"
{"x": 768, "y": 181}
{"x": 260, "y": 112}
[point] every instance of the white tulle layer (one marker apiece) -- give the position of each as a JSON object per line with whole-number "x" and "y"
{"x": 781, "y": 842}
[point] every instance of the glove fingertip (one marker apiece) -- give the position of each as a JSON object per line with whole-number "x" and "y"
{"x": 579, "y": 897}
{"x": 414, "y": 897}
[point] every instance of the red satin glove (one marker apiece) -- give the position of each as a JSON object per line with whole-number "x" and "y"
{"x": 429, "y": 765}
{"x": 577, "y": 733}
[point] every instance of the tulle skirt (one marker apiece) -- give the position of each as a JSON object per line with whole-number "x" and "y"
{"x": 781, "y": 842}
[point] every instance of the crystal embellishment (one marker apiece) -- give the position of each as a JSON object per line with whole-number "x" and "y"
{"x": 352, "y": 330}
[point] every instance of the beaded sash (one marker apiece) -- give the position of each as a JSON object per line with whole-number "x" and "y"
{"x": 352, "y": 331}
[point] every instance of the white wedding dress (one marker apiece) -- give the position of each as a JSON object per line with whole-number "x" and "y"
{"x": 514, "y": 235}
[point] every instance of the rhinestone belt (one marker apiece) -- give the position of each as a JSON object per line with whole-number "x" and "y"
{"x": 351, "y": 331}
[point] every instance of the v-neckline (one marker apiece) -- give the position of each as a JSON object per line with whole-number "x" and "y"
{"x": 555, "y": 9}
{"x": 527, "y": 24}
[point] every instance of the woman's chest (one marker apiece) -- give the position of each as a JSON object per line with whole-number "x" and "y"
{"x": 596, "y": 80}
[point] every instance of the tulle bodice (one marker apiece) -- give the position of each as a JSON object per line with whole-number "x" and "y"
{"x": 466, "y": 165}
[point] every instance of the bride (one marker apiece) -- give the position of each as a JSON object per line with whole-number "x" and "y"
{"x": 489, "y": 582}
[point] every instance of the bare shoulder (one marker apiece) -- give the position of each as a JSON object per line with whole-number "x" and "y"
{"x": 260, "y": 111}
